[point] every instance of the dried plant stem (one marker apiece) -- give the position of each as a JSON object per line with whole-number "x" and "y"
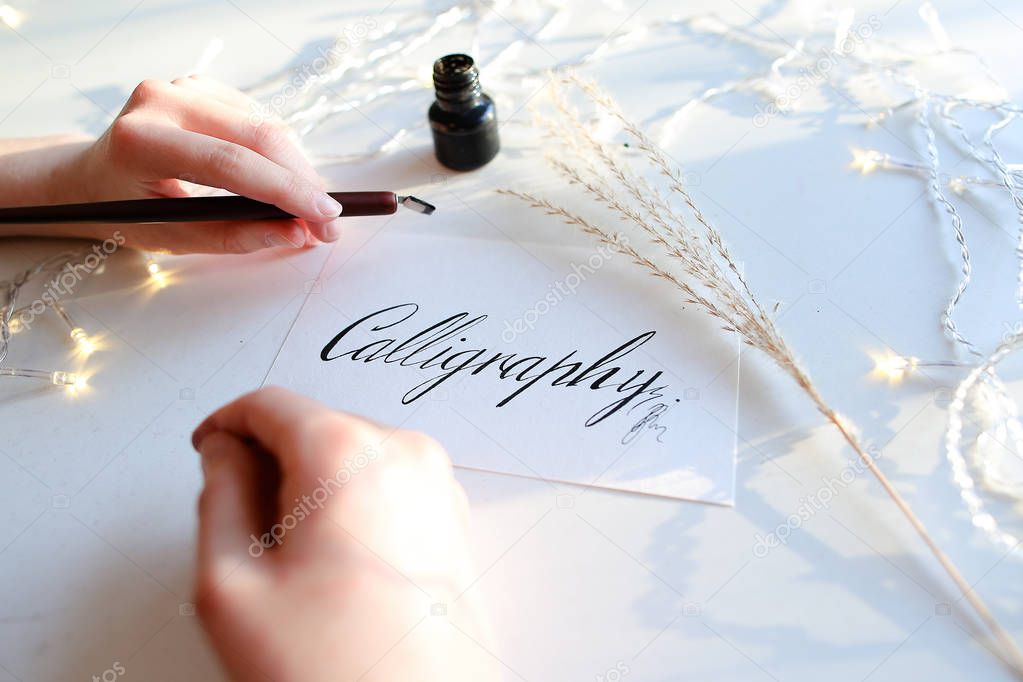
{"x": 657, "y": 158}
{"x": 615, "y": 241}
{"x": 701, "y": 267}
{"x": 701, "y": 256}
{"x": 1001, "y": 635}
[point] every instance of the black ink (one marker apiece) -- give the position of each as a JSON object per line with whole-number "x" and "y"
{"x": 463, "y": 118}
{"x": 429, "y": 348}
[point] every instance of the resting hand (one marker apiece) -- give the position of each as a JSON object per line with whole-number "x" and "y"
{"x": 332, "y": 549}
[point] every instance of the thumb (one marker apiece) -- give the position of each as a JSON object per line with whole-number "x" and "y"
{"x": 231, "y": 507}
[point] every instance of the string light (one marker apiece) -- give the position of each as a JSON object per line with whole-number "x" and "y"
{"x": 367, "y": 62}
{"x": 868, "y": 161}
{"x": 894, "y": 368}
{"x": 877, "y": 159}
{"x": 982, "y": 389}
{"x": 17, "y": 320}
{"x": 76, "y": 383}
{"x": 156, "y": 273}
{"x": 85, "y": 345}
{"x": 876, "y": 62}
{"x": 992, "y": 400}
{"x": 56, "y": 377}
{"x": 11, "y": 324}
{"x": 10, "y": 16}
{"x": 884, "y": 64}
{"x": 78, "y": 335}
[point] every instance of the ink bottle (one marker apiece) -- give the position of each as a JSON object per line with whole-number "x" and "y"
{"x": 463, "y": 118}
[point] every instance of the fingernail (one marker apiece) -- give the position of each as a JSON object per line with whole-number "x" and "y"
{"x": 331, "y": 231}
{"x": 327, "y": 206}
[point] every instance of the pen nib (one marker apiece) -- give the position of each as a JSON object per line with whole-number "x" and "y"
{"x": 417, "y": 205}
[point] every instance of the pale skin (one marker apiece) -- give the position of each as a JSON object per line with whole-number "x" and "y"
{"x": 368, "y": 587}
{"x": 330, "y": 547}
{"x": 169, "y": 138}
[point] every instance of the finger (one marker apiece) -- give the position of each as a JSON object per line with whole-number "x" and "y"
{"x": 219, "y": 91}
{"x": 230, "y": 506}
{"x": 161, "y": 150}
{"x": 257, "y": 115}
{"x": 218, "y": 237}
{"x": 305, "y": 436}
{"x": 310, "y": 238}
{"x": 201, "y": 113}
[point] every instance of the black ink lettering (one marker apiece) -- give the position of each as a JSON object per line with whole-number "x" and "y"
{"x": 528, "y": 371}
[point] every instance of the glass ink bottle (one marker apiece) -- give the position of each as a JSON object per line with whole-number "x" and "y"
{"x": 463, "y": 118}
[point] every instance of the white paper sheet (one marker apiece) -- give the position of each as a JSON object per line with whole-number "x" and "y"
{"x": 468, "y": 325}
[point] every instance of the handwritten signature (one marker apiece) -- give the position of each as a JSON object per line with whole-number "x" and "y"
{"x": 649, "y": 422}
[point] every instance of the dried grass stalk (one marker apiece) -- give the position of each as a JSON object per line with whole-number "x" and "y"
{"x": 700, "y": 266}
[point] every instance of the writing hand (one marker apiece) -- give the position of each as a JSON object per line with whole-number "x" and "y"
{"x": 168, "y": 138}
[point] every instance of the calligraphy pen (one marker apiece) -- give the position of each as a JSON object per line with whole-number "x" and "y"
{"x": 193, "y": 209}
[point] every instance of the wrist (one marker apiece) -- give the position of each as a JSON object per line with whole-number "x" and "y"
{"x": 43, "y": 170}
{"x": 69, "y": 177}
{"x": 46, "y": 170}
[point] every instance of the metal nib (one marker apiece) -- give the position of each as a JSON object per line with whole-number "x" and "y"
{"x": 417, "y": 205}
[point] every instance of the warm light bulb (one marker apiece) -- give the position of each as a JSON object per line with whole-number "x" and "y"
{"x": 866, "y": 161}
{"x": 892, "y": 367}
{"x": 76, "y": 384}
{"x": 15, "y": 325}
{"x": 957, "y": 185}
{"x": 160, "y": 279}
{"x": 156, "y": 274}
{"x": 61, "y": 378}
{"x": 85, "y": 345}
{"x": 11, "y": 16}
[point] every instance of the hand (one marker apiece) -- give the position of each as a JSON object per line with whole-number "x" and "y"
{"x": 326, "y": 544}
{"x": 169, "y": 138}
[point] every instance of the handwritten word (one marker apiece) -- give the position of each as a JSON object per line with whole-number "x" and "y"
{"x": 437, "y": 346}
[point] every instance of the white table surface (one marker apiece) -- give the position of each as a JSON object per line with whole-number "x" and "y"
{"x": 98, "y": 491}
